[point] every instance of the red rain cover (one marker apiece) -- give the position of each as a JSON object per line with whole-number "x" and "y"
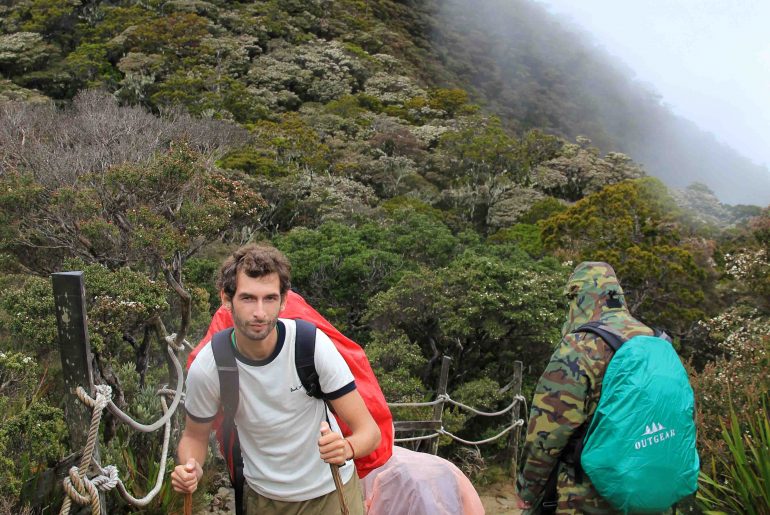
{"x": 366, "y": 382}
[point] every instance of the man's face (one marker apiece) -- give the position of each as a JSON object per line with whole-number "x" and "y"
{"x": 255, "y": 305}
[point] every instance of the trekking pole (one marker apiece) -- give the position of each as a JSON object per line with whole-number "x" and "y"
{"x": 188, "y": 504}
{"x": 338, "y": 487}
{"x": 336, "y": 470}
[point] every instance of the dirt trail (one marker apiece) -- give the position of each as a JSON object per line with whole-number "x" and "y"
{"x": 498, "y": 499}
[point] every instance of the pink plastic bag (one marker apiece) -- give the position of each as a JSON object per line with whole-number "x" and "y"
{"x": 415, "y": 483}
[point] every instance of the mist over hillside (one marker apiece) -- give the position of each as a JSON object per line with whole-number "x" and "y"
{"x": 536, "y": 70}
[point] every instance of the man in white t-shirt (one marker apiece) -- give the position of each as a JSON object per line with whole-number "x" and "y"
{"x": 285, "y": 440}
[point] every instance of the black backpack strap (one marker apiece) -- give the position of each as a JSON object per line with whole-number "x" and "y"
{"x": 227, "y": 368}
{"x": 662, "y": 334}
{"x": 610, "y": 336}
{"x": 304, "y": 358}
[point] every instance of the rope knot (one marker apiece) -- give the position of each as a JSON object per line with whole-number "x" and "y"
{"x": 108, "y": 478}
{"x": 171, "y": 342}
{"x": 80, "y": 489}
{"x": 103, "y": 395}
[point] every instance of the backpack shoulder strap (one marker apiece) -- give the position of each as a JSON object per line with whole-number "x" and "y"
{"x": 610, "y": 336}
{"x": 662, "y": 334}
{"x": 304, "y": 358}
{"x": 227, "y": 369}
{"x": 229, "y": 397}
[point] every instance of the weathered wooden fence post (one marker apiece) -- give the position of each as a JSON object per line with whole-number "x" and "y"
{"x": 438, "y": 409}
{"x": 76, "y": 357}
{"x": 518, "y": 370}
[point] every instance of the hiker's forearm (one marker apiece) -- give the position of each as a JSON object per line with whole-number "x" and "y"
{"x": 365, "y": 435}
{"x": 364, "y": 441}
{"x": 194, "y": 442}
{"x": 191, "y": 448}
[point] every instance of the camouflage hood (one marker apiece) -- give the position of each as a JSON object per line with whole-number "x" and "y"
{"x": 588, "y": 291}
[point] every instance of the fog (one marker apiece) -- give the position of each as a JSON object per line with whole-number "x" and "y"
{"x": 709, "y": 60}
{"x": 679, "y": 89}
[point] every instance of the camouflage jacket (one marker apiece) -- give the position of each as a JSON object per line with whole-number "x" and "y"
{"x": 567, "y": 393}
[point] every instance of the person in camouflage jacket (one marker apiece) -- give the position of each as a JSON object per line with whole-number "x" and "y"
{"x": 567, "y": 393}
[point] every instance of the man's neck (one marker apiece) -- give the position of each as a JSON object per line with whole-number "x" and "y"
{"x": 256, "y": 349}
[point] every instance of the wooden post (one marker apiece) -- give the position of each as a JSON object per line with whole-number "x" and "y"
{"x": 438, "y": 409}
{"x": 518, "y": 368}
{"x": 75, "y": 350}
{"x": 76, "y": 357}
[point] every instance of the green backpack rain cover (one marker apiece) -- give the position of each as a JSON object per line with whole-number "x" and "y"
{"x": 639, "y": 449}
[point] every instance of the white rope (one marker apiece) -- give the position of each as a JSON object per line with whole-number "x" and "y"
{"x": 166, "y": 416}
{"x": 445, "y": 398}
{"x": 171, "y": 341}
{"x": 516, "y": 400}
{"x": 416, "y": 438}
{"x": 144, "y": 501}
{"x": 444, "y": 432}
{"x": 518, "y": 423}
{"x": 439, "y": 400}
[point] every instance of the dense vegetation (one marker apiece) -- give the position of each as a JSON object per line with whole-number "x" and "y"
{"x": 140, "y": 141}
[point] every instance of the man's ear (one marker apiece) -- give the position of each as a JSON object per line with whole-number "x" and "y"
{"x": 226, "y": 301}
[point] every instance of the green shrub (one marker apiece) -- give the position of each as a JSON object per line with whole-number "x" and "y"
{"x": 28, "y": 316}
{"x": 369, "y": 102}
{"x": 254, "y": 162}
{"x": 542, "y": 209}
{"x": 29, "y": 442}
{"x": 525, "y": 236}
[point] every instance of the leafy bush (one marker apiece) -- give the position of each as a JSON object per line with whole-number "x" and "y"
{"x": 542, "y": 209}
{"x": 254, "y": 162}
{"x": 525, "y": 236}
{"x": 738, "y": 341}
{"x": 27, "y": 314}
{"x": 30, "y": 440}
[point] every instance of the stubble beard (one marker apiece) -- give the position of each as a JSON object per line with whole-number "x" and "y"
{"x": 257, "y": 336}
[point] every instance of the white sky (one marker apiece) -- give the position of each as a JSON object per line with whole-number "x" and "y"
{"x": 708, "y": 59}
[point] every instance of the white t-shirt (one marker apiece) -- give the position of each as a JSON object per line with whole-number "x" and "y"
{"x": 278, "y": 423}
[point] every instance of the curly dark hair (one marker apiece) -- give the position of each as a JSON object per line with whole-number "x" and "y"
{"x": 255, "y": 261}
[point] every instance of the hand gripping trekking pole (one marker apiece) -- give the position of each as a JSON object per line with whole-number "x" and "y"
{"x": 336, "y": 474}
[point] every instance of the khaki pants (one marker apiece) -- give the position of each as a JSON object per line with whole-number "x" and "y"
{"x": 325, "y": 505}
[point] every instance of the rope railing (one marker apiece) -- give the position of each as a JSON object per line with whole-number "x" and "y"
{"x": 417, "y": 438}
{"x": 516, "y": 399}
{"x": 84, "y": 490}
{"x": 444, "y": 432}
{"x": 445, "y": 398}
{"x": 438, "y": 400}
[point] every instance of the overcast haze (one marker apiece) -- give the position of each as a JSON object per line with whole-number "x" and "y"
{"x": 708, "y": 59}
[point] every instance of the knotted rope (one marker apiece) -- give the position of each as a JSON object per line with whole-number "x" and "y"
{"x": 84, "y": 490}
{"x": 76, "y": 484}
